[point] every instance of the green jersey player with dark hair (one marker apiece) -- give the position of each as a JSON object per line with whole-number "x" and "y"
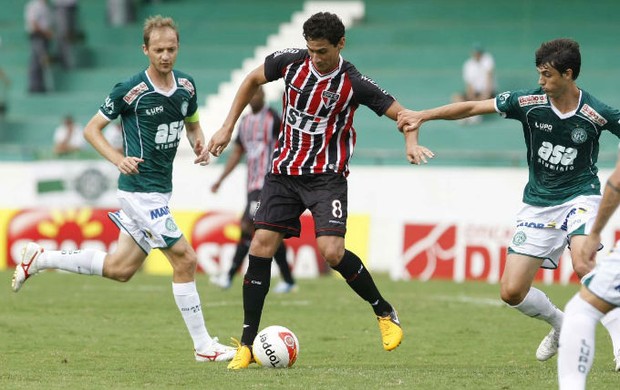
{"x": 561, "y": 125}
{"x": 154, "y": 107}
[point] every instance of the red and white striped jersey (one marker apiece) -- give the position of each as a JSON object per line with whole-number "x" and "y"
{"x": 317, "y": 133}
{"x": 257, "y": 134}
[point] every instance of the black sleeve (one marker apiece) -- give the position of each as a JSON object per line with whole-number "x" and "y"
{"x": 367, "y": 92}
{"x": 276, "y": 62}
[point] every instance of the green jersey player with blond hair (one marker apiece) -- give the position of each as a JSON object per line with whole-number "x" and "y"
{"x": 561, "y": 125}
{"x": 154, "y": 107}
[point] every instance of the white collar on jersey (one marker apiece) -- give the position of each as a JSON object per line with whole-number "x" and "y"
{"x": 168, "y": 93}
{"x": 326, "y": 75}
{"x": 566, "y": 114}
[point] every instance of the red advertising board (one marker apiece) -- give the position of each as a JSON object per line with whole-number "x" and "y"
{"x": 215, "y": 236}
{"x": 60, "y": 230}
{"x": 464, "y": 252}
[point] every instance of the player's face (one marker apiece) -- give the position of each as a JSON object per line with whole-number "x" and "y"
{"x": 162, "y": 49}
{"x": 258, "y": 100}
{"x": 323, "y": 54}
{"x": 552, "y": 81}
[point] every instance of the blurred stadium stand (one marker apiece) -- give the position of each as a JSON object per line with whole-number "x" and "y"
{"x": 414, "y": 49}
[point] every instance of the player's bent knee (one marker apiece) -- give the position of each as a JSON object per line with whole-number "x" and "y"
{"x": 511, "y": 295}
{"x": 581, "y": 269}
{"x": 120, "y": 275}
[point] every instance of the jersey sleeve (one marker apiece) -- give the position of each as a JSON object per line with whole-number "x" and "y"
{"x": 192, "y": 109}
{"x": 367, "y": 92}
{"x": 114, "y": 104}
{"x": 277, "y": 61}
{"x": 510, "y": 104}
{"x": 612, "y": 115}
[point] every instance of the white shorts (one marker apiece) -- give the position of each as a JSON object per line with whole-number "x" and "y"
{"x": 604, "y": 280}
{"x": 544, "y": 232}
{"x": 146, "y": 217}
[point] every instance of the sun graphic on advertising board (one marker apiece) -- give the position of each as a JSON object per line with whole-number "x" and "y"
{"x": 59, "y": 218}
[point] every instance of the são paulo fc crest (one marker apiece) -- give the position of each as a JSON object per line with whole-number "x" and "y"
{"x": 578, "y": 135}
{"x": 329, "y": 98}
{"x": 519, "y": 238}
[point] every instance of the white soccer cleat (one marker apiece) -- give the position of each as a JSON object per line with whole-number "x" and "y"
{"x": 283, "y": 288}
{"x": 617, "y": 360}
{"x": 216, "y": 352}
{"x": 27, "y": 266}
{"x": 548, "y": 346}
{"x": 222, "y": 281}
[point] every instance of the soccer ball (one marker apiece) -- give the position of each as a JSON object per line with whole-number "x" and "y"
{"x": 275, "y": 347}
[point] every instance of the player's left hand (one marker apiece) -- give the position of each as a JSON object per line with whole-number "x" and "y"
{"x": 202, "y": 153}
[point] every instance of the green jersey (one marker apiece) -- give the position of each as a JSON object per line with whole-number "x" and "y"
{"x": 152, "y": 123}
{"x": 562, "y": 149}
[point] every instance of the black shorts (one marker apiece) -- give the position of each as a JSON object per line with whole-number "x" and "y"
{"x": 284, "y": 198}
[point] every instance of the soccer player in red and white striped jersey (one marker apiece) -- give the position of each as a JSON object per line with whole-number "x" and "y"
{"x": 310, "y": 165}
{"x": 256, "y": 138}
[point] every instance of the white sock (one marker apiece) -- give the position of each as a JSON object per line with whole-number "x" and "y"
{"x": 611, "y": 321}
{"x": 86, "y": 262}
{"x": 187, "y": 299}
{"x": 536, "y": 304}
{"x": 576, "y": 351}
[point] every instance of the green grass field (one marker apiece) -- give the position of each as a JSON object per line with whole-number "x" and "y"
{"x": 73, "y": 332}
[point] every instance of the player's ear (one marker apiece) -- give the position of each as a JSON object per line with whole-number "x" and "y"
{"x": 145, "y": 49}
{"x": 341, "y": 43}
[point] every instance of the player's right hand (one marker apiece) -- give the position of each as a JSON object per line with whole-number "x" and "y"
{"x": 409, "y": 120}
{"x": 129, "y": 165}
{"x": 219, "y": 141}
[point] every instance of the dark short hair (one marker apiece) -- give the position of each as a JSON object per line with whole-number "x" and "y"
{"x": 324, "y": 25}
{"x": 562, "y": 54}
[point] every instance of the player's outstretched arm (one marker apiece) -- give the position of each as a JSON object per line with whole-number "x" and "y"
{"x": 247, "y": 89}
{"x": 412, "y": 120}
{"x": 609, "y": 204}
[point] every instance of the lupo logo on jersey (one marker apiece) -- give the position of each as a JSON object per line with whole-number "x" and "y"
{"x": 60, "y": 230}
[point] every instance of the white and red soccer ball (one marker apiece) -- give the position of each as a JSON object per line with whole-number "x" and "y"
{"x": 275, "y": 347}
